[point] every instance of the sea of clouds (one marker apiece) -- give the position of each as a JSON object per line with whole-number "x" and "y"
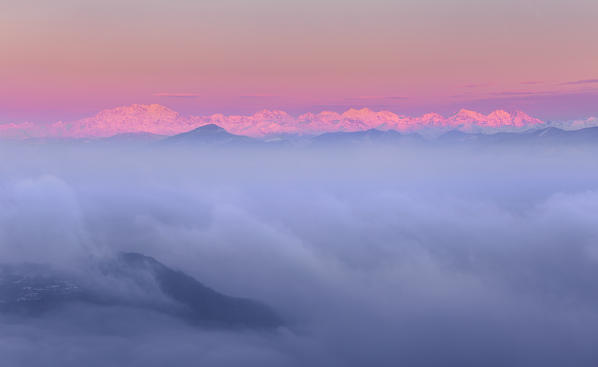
{"x": 377, "y": 256}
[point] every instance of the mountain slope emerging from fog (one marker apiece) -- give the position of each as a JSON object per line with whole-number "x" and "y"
{"x": 28, "y": 289}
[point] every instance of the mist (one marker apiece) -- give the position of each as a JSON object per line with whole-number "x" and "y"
{"x": 372, "y": 255}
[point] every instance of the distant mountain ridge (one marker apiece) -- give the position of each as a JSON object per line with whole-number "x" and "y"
{"x": 160, "y": 120}
{"x": 213, "y": 136}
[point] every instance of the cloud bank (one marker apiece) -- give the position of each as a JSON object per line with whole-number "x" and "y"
{"x": 377, "y": 256}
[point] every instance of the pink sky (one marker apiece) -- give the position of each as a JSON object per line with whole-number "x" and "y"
{"x": 67, "y": 59}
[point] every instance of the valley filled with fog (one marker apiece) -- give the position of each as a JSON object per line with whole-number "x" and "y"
{"x": 403, "y": 254}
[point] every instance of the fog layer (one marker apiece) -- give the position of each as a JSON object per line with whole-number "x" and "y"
{"x": 373, "y": 256}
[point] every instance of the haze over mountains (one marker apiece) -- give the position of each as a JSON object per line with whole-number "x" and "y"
{"x": 161, "y": 120}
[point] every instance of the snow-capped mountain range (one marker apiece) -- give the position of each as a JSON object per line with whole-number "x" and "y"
{"x": 161, "y": 120}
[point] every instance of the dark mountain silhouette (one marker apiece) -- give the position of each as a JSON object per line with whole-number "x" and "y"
{"x": 208, "y": 135}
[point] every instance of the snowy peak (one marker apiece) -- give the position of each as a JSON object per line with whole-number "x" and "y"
{"x": 161, "y": 120}
{"x": 271, "y": 115}
{"x": 136, "y": 118}
{"x": 155, "y": 110}
{"x": 468, "y": 115}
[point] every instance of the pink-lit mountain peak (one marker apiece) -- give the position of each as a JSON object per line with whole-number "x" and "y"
{"x": 522, "y": 118}
{"x": 152, "y": 111}
{"x": 469, "y": 115}
{"x": 158, "y": 119}
{"x": 432, "y": 117}
{"x": 136, "y": 118}
{"x": 271, "y": 115}
{"x": 497, "y": 119}
{"x": 354, "y": 113}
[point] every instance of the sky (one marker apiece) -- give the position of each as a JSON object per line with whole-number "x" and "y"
{"x": 67, "y": 59}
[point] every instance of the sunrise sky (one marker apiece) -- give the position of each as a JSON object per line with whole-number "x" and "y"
{"x": 66, "y": 59}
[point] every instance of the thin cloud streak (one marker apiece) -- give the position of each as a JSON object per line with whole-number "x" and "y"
{"x": 584, "y": 81}
{"x": 177, "y": 95}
